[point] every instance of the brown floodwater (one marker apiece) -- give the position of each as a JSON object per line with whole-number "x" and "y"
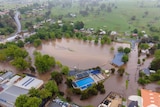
{"x": 84, "y": 55}
{"x": 77, "y": 53}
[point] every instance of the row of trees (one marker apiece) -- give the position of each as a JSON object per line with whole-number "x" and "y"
{"x": 58, "y": 76}
{"x": 11, "y": 52}
{"x": 91, "y": 91}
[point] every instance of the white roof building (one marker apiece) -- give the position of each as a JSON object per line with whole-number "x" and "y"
{"x": 29, "y": 82}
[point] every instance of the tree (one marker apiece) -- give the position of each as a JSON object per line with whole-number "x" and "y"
{"x": 21, "y": 100}
{"x": 156, "y": 38}
{"x": 52, "y": 35}
{"x": 125, "y": 58}
{"x": 37, "y": 42}
{"x": 139, "y": 61}
{"x": 155, "y": 64}
{"x": 103, "y": 6}
{"x": 99, "y": 86}
{"x": 20, "y": 43}
{"x": 65, "y": 70}
{"x": 141, "y": 81}
{"x": 112, "y": 70}
{"x": 28, "y": 24}
{"x": 89, "y": 38}
{"x": 12, "y": 51}
{"x": 79, "y": 25}
{"x": 43, "y": 63}
{"x": 3, "y": 56}
{"x": 52, "y": 87}
{"x": 135, "y": 31}
{"x": 144, "y": 46}
{"x": 109, "y": 9}
{"x": 121, "y": 71}
{"x": 84, "y": 95}
{"x": 92, "y": 91}
{"x": 33, "y": 92}
{"x": 120, "y": 49}
{"x": 69, "y": 82}
{"x": 44, "y": 93}
{"x": 83, "y": 13}
{"x": 96, "y": 40}
{"x": 20, "y": 53}
{"x": 133, "y": 18}
{"x": 58, "y": 77}
{"x": 20, "y": 63}
{"x": 32, "y": 101}
{"x": 157, "y": 54}
{"x": 59, "y": 64}
{"x": 127, "y": 50}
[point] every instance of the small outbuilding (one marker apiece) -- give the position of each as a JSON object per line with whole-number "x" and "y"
{"x": 117, "y": 60}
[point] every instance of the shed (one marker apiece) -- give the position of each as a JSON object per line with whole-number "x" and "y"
{"x": 146, "y": 71}
{"x": 117, "y": 60}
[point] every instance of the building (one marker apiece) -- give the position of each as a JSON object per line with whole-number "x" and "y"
{"x": 133, "y": 104}
{"x": 28, "y": 82}
{"x": 112, "y": 100}
{"x": 147, "y": 71}
{"x": 150, "y": 98}
{"x": 14, "y": 86}
{"x": 117, "y": 60}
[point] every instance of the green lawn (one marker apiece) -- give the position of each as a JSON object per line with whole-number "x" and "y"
{"x": 120, "y": 18}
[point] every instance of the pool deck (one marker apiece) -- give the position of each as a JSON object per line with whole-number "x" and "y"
{"x": 96, "y": 76}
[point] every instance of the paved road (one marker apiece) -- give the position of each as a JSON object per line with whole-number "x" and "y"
{"x": 13, "y": 36}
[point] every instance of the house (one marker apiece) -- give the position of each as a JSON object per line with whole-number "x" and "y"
{"x": 150, "y": 98}
{"x": 147, "y": 71}
{"x": 14, "y": 86}
{"x": 102, "y": 32}
{"x": 143, "y": 32}
{"x": 73, "y": 15}
{"x": 113, "y": 33}
{"x": 117, "y": 60}
{"x": 133, "y": 104}
{"x": 146, "y": 51}
{"x": 112, "y": 100}
{"x": 59, "y": 21}
{"x": 135, "y": 34}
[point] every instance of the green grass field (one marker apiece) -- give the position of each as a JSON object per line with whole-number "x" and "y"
{"x": 120, "y": 18}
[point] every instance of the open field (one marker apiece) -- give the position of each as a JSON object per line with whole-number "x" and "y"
{"x": 119, "y": 18}
{"x": 125, "y": 15}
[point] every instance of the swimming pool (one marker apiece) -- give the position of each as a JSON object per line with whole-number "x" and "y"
{"x": 84, "y": 83}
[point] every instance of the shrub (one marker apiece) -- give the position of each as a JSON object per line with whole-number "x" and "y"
{"x": 112, "y": 70}
{"x": 102, "y": 91}
{"x": 76, "y": 91}
{"x": 61, "y": 93}
{"x": 68, "y": 99}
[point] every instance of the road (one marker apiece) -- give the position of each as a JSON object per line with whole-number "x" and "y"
{"x": 13, "y": 36}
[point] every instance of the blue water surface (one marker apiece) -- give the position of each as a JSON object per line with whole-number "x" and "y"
{"x": 84, "y": 81}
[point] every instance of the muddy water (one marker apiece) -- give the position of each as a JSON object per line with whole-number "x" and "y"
{"x": 84, "y": 55}
{"x": 77, "y": 53}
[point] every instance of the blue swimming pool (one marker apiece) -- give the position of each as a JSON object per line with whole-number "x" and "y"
{"x": 84, "y": 83}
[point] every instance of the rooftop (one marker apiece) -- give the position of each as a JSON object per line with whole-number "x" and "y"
{"x": 29, "y": 82}
{"x": 150, "y": 98}
{"x": 112, "y": 100}
{"x": 118, "y": 59}
{"x": 14, "y": 86}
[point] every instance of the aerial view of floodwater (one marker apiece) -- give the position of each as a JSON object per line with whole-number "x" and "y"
{"x": 84, "y": 55}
